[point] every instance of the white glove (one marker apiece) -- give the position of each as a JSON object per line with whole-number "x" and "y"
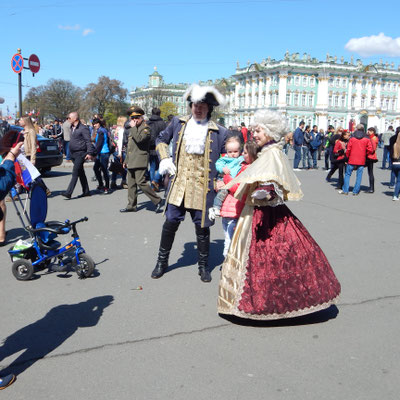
{"x": 261, "y": 194}
{"x": 167, "y": 167}
{"x": 212, "y": 213}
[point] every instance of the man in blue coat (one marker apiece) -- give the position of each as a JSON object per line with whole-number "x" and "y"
{"x": 197, "y": 143}
{"x": 298, "y": 140}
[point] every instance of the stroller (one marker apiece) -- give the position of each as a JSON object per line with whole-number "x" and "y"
{"x": 42, "y": 250}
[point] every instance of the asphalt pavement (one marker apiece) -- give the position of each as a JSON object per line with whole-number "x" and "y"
{"x": 103, "y": 338}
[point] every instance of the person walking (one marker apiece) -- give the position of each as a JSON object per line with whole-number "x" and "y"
{"x": 274, "y": 268}
{"x": 358, "y": 148}
{"x": 119, "y": 155}
{"x": 333, "y": 138}
{"x": 103, "y": 156}
{"x": 372, "y": 159}
{"x": 306, "y": 148}
{"x": 298, "y": 139}
{"x": 137, "y": 160}
{"x": 394, "y": 146}
{"x": 197, "y": 143}
{"x": 81, "y": 149}
{"x": 328, "y": 146}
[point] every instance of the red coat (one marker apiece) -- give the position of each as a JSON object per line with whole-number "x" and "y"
{"x": 339, "y": 145}
{"x": 374, "y": 142}
{"x": 232, "y": 207}
{"x": 358, "y": 148}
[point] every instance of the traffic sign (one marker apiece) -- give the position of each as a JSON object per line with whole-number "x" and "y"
{"x": 34, "y": 63}
{"x": 17, "y": 63}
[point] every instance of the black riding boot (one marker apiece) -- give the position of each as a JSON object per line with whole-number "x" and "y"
{"x": 203, "y": 248}
{"x": 167, "y": 239}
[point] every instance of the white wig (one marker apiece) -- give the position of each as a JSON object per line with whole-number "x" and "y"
{"x": 274, "y": 123}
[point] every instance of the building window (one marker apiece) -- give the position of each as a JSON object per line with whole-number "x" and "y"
{"x": 312, "y": 81}
{"x": 288, "y": 98}
{"x": 289, "y": 80}
{"x": 296, "y": 100}
{"x": 372, "y": 103}
{"x": 362, "y": 102}
{"x": 344, "y": 82}
{"x": 336, "y": 100}
{"x": 303, "y": 100}
{"x": 304, "y": 81}
{"x": 353, "y": 99}
{"x": 310, "y": 100}
{"x": 387, "y": 104}
{"x": 342, "y": 101}
{"x": 337, "y": 82}
{"x": 330, "y": 82}
{"x": 330, "y": 101}
{"x": 297, "y": 80}
{"x": 364, "y": 84}
{"x": 393, "y": 104}
{"x": 294, "y": 123}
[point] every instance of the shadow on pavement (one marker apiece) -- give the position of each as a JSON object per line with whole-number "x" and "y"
{"x": 189, "y": 255}
{"x": 309, "y": 319}
{"x": 45, "y": 335}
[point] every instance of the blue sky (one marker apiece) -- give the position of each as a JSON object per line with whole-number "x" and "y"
{"x": 188, "y": 41}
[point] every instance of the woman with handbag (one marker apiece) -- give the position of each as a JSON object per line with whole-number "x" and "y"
{"x": 372, "y": 159}
{"x": 339, "y": 155}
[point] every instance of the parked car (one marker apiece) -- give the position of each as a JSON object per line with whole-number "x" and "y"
{"x": 48, "y": 154}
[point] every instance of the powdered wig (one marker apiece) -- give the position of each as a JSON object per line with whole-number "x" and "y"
{"x": 274, "y": 124}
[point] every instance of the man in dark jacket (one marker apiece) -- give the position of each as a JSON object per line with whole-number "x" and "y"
{"x": 156, "y": 125}
{"x": 81, "y": 149}
{"x": 298, "y": 139}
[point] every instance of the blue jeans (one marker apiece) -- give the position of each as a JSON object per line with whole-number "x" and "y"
{"x": 101, "y": 166}
{"x": 297, "y": 156}
{"x": 386, "y": 157}
{"x": 66, "y": 150}
{"x": 396, "y": 172}
{"x": 349, "y": 171}
{"x": 314, "y": 154}
{"x": 306, "y": 157}
{"x": 154, "y": 175}
{"x": 229, "y": 225}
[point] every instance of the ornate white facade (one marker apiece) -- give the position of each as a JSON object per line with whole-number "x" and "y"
{"x": 318, "y": 92}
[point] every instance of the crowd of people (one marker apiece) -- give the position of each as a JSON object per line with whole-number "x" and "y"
{"x": 241, "y": 174}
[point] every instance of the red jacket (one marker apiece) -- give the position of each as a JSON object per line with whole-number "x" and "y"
{"x": 339, "y": 145}
{"x": 374, "y": 142}
{"x": 358, "y": 148}
{"x": 232, "y": 207}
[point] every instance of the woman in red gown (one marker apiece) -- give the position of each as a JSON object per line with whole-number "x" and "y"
{"x": 274, "y": 268}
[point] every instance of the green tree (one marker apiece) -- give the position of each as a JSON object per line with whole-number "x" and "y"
{"x": 105, "y": 95}
{"x": 168, "y": 108}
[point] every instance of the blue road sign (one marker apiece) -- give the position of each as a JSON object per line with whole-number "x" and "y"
{"x": 17, "y": 63}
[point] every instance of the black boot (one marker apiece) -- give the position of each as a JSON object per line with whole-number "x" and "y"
{"x": 371, "y": 187}
{"x": 167, "y": 239}
{"x": 203, "y": 248}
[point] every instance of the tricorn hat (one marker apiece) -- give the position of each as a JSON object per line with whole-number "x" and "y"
{"x": 204, "y": 94}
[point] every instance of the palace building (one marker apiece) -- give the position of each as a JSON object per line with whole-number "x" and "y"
{"x": 331, "y": 92}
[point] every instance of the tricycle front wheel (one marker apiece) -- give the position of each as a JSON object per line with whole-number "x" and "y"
{"x": 22, "y": 269}
{"x": 86, "y": 266}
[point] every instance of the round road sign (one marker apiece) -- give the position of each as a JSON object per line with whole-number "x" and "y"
{"x": 34, "y": 63}
{"x": 17, "y": 63}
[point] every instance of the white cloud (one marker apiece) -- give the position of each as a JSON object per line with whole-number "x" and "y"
{"x": 87, "y": 31}
{"x": 374, "y": 45}
{"x": 69, "y": 27}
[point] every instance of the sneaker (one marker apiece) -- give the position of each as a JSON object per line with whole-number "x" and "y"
{"x": 296, "y": 169}
{"x": 340, "y": 191}
{"x": 395, "y": 198}
{"x": 356, "y": 194}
